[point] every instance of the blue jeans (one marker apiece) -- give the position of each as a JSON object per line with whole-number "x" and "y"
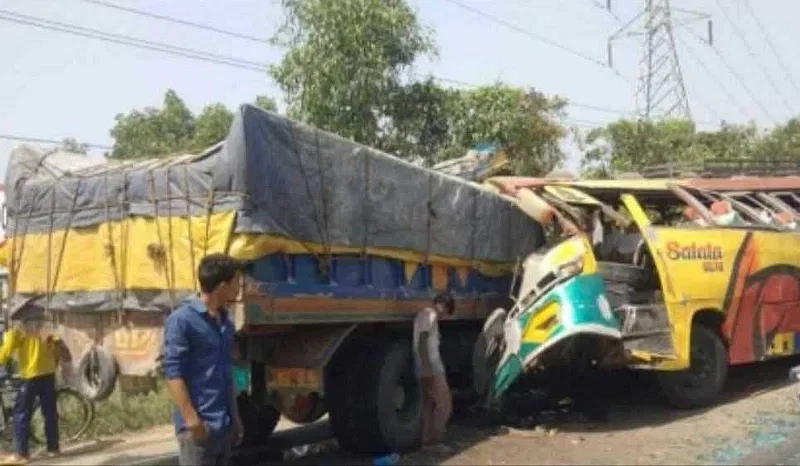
{"x": 43, "y": 388}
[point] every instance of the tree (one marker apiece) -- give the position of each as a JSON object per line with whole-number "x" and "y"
{"x": 267, "y": 103}
{"x": 521, "y": 121}
{"x": 344, "y": 66}
{"x": 344, "y": 72}
{"x": 171, "y": 129}
{"x": 72, "y": 145}
{"x": 630, "y": 146}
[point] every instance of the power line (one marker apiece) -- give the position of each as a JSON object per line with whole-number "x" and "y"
{"x": 772, "y": 46}
{"x": 743, "y": 84}
{"x": 724, "y": 89}
{"x": 535, "y": 36}
{"x": 753, "y": 55}
{"x": 42, "y": 23}
{"x": 570, "y": 103}
{"x": 14, "y": 137}
{"x": 171, "y": 19}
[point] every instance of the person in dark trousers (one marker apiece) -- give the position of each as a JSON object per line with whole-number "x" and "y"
{"x": 430, "y": 370}
{"x": 198, "y": 364}
{"x": 37, "y": 352}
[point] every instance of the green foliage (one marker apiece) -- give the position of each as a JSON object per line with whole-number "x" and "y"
{"x": 345, "y": 61}
{"x": 629, "y": 146}
{"x": 171, "y": 129}
{"x": 522, "y": 121}
{"x": 72, "y": 145}
{"x": 267, "y": 103}
{"x": 344, "y": 73}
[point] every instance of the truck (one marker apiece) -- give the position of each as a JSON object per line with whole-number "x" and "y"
{"x": 343, "y": 245}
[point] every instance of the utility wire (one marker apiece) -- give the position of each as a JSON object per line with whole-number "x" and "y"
{"x": 42, "y": 23}
{"x": 570, "y": 103}
{"x": 537, "y": 37}
{"x": 714, "y": 79}
{"x": 772, "y": 46}
{"x": 171, "y": 19}
{"x": 753, "y": 55}
{"x": 195, "y": 54}
{"x": 14, "y": 137}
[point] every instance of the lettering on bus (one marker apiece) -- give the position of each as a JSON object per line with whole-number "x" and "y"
{"x": 708, "y": 254}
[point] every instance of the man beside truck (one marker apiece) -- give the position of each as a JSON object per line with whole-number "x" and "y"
{"x": 437, "y": 400}
{"x": 198, "y": 362}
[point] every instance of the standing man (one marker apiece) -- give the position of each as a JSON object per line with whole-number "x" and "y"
{"x": 198, "y": 363}
{"x": 37, "y": 353}
{"x": 436, "y": 397}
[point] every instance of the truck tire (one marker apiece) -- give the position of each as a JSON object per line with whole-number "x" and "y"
{"x": 259, "y": 421}
{"x": 699, "y": 385}
{"x": 96, "y": 374}
{"x": 376, "y": 405}
{"x": 343, "y": 382}
{"x": 301, "y": 409}
{"x": 390, "y": 408}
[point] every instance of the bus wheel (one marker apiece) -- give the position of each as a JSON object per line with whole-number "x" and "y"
{"x": 699, "y": 385}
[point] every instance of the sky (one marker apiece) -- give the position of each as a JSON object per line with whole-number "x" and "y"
{"x": 55, "y": 85}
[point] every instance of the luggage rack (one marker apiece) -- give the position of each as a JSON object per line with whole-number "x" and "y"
{"x": 724, "y": 168}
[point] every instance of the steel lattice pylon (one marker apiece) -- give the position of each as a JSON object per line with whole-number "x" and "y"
{"x": 661, "y": 92}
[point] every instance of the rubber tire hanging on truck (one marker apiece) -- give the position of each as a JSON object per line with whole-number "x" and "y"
{"x": 96, "y": 374}
{"x": 376, "y": 400}
{"x": 701, "y": 384}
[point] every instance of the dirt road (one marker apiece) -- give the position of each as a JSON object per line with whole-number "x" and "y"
{"x": 756, "y": 422}
{"x": 759, "y": 414}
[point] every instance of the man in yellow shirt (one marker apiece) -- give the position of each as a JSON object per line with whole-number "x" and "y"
{"x": 37, "y": 354}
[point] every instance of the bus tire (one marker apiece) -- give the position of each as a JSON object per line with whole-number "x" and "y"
{"x": 96, "y": 374}
{"x": 701, "y": 384}
{"x": 487, "y": 351}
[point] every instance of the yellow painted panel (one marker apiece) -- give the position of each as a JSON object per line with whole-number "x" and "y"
{"x": 541, "y": 325}
{"x": 146, "y": 253}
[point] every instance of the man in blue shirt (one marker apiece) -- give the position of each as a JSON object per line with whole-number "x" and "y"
{"x": 198, "y": 363}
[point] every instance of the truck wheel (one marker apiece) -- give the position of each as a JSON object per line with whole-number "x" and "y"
{"x": 699, "y": 385}
{"x": 96, "y": 375}
{"x": 259, "y": 421}
{"x": 343, "y": 382}
{"x": 301, "y": 409}
{"x": 390, "y": 408}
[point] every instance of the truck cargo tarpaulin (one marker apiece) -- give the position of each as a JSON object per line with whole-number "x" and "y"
{"x": 128, "y": 234}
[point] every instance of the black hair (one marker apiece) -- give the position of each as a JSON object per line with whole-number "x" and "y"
{"x": 216, "y": 269}
{"x": 446, "y": 300}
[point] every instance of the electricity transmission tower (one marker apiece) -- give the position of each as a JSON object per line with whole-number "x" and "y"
{"x": 660, "y": 92}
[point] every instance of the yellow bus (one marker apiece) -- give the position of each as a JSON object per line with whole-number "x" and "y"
{"x": 698, "y": 279}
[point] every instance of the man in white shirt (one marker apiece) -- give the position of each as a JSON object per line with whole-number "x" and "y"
{"x": 437, "y": 400}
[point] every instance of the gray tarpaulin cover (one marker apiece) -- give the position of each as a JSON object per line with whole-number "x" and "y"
{"x": 282, "y": 178}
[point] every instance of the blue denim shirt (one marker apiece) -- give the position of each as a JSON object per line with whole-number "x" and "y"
{"x": 198, "y": 350}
